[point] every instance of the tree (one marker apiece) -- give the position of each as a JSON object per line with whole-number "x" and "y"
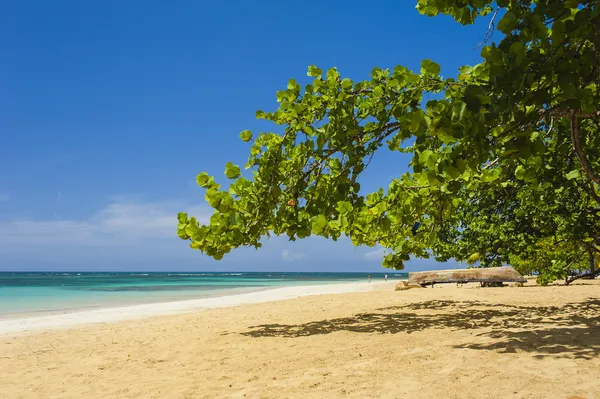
{"x": 551, "y": 261}
{"x": 549, "y": 229}
{"x": 491, "y": 127}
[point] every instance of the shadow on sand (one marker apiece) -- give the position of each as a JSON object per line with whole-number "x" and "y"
{"x": 572, "y": 330}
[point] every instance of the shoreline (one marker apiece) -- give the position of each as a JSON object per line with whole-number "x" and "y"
{"x": 23, "y": 324}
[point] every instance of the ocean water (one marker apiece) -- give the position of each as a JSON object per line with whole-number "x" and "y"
{"x": 35, "y": 293}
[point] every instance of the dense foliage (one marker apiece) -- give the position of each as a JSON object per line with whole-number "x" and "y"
{"x": 549, "y": 230}
{"x": 506, "y": 158}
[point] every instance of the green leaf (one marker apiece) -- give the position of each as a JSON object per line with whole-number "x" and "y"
{"x": 314, "y": 71}
{"x": 292, "y": 85}
{"x": 344, "y": 207}
{"x": 415, "y": 122}
{"x": 472, "y": 101}
{"x": 458, "y": 110}
{"x": 424, "y": 157}
{"x": 232, "y": 171}
{"x": 452, "y": 172}
{"x": 319, "y": 223}
{"x": 491, "y": 175}
{"x": 446, "y": 135}
{"x": 427, "y": 8}
{"x": 473, "y": 258}
{"x": 432, "y": 178}
{"x": 574, "y": 174}
{"x": 558, "y": 31}
{"x": 333, "y": 74}
{"x": 508, "y": 23}
{"x": 430, "y": 67}
{"x": 518, "y": 50}
{"x": 346, "y": 84}
{"x": 203, "y": 179}
{"x": 246, "y": 135}
{"x": 520, "y": 172}
{"x": 461, "y": 165}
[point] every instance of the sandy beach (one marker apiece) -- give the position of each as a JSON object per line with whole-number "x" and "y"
{"x": 445, "y": 342}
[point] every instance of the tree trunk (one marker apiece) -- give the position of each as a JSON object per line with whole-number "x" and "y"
{"x": 591, "y": 263}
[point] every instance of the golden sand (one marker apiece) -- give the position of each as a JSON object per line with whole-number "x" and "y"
{"x": 442, "y": 342}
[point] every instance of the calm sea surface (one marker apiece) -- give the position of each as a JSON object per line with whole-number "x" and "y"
{"x": 27, "y": 293}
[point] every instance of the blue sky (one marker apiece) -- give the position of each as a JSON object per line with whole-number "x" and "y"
{"x": 111, "y": 108}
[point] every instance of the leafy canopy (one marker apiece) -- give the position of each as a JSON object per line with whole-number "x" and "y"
{"x": 549, "y": 229}
{"x": 532, "y": 100}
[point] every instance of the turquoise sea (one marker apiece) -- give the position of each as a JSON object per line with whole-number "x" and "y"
{"x": 44, "y": 292}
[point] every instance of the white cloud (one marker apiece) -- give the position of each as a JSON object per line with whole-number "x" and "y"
{"x": 135, "y": 220}
{"x": 41, "y": 233}
{"x": 290, "y": 256}
{"x": 374, "y": 255}
{"x": 130, "y": 233}
{"x": 117, "y": 223}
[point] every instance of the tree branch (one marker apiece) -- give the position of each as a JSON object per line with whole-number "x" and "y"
{"x": 592, "y": 191}
{"x": 489, "y": 165}
{"x": 585, "y": 275}
{"x": 570, "y": 114}
{"x": 409, "y": 187}
{"x": 490, "y": 30}
{"x": 576, "y": 139}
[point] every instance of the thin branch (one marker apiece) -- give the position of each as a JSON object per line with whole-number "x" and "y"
{"x": 595, "y": 248}
{"x": 361, "y": 91}
{"x": 576, "y": 139}
{"x": 490, "y": 30}
{"x": 551, "y": 127}
{"x": 592, "y": 191}
{"x": 585, "y": 275}
{"x": 569, "y": 114}
{"x": 410, "y": 187}
{"x": 489, "y": 165}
